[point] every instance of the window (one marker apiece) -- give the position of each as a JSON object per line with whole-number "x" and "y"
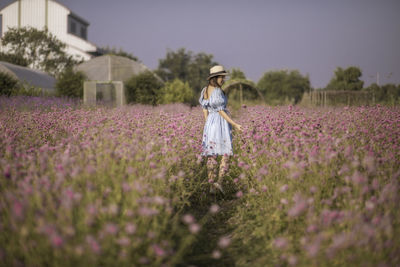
{"x": 73, "y": 27}
{"x": 83, "y": 32}
{"x": 77, "y": 26}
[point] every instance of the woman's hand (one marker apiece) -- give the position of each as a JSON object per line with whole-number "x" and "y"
{"x": 238, "y": 127}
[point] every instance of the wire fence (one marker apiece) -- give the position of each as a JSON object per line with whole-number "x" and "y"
{"x": 338, "y": 98}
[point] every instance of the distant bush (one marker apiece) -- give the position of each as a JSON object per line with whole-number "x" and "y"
{"x": 70, "y": 83}
{"x": 143, "y": 88}
{"x": 385, "y": 94}
{"x": 7, "y": 84}
{"x": 13, "y": 59}
{"x": 175, "y": 91}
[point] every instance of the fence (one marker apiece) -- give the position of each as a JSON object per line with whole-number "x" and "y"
{"x": 107, "y": 93}
{"x": 338, "y": 98}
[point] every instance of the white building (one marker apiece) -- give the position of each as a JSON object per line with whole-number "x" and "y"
{"x": 59, "y": 20}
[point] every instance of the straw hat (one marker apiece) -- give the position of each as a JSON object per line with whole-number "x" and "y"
{"x": 217, "y": 70}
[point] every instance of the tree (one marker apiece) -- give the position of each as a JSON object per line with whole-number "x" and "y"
{"x": 187, "y": 67}
{"x": 113, "y": 51}
{"x": 239, "y": 87}
{"x": 40, "y": 49}
{"x": 346, "y": 79}
{"x": 13, "y": 59}
{"x": 175, "y": 92}
{"x": 237, "y": 74}
{"x": 143, "y": 88}
{"x": 283, "y": 85}
{"x": 70, "y": 83}
{"x": 7, "y": 84}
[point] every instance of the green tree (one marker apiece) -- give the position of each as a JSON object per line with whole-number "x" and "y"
{"x": 239, "y": 87}
{"x": 346, "y": 79}
{"x": 281, "y": 86}
{"x": 187, "y": 67}
{"x": 237, "y": 74}
{"x": 175, "y": 92}
{"x": 113, "y": 51}
{"x": 13, "y": 59}
{"x": 70, "y": 83}
{"x": 143, "y": 88}
{"x": 7, "y": 84}
{"x": 40, "y": 49}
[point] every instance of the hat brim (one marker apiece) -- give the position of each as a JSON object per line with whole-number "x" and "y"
{"x": 222, "y": 73}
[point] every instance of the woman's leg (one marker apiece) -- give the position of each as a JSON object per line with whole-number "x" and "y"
{"x": 212, "y": 168}
{"x": 223, "y": 167}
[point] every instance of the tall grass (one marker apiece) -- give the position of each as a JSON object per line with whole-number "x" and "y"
{"x": 128, "y": 187}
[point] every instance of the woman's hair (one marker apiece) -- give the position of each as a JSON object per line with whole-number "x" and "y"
{"x": 213, "y": 82}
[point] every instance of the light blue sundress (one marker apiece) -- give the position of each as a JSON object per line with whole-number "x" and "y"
{"x": 217, "y": 132}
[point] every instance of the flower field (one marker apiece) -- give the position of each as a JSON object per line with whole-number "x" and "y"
{"x": 98, "y": 186}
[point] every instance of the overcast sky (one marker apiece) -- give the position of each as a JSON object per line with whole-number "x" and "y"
{"x": 312, "y": 36}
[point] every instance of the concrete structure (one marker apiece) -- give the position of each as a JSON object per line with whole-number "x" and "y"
{"x": 29, "y": 77}
{"x": 106, "y": 75}
{"x": 106, "y": 93}
{"x": 59, "y": 20}
{"x": 111, "y": 68}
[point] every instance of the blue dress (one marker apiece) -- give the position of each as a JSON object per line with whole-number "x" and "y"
{"x": 217, "y": 132}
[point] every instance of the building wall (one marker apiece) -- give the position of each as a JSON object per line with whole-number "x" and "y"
{"x": 33, "y": 13}
{"x": 9, "y": 18}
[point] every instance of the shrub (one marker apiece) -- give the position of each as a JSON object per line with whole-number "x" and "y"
{"x": 70, "y": 83}
{"x": 7, "y": 84}
{"x": 175, "y": 92}
{"x": 13, "y": 59}
{"x": 143, "y": 88}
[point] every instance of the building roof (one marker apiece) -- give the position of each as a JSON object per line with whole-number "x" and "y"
{"x": 29, "y": 76}
{"x": 111, "y": 68}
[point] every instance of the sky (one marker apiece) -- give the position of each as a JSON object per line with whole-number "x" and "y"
{"x": 311, "y": 36}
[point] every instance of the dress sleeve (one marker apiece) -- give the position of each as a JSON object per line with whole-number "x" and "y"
{"x": 203, "y": 102}
{"x": 218, "y": 101}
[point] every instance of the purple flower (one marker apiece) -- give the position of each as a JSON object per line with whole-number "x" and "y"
{"x": 158, "y": 250}
{"x": 194, "y": 228}
{"x": 111, "y": 228}
{"x": 239, "y": 194}
{"x": 188, "y": 219}
{"x": 224, "y": 242}
{"x": 56, "y": 240}
{"x": 214, "y": 208}
{"x": 298, "y": 208}
{"x": 284, "y": 188}
{"x": 280, "y": 243}
{"x": 130, "y": 228}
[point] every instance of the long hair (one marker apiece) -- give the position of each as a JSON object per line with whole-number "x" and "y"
{"x": 213, "y": 82}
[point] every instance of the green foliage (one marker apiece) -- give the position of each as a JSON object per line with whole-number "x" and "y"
{"x": 143, "y": 88}
{"x": 7, "y": 84}
{"x": 70, "y": 83}
{"x": 40, "y": 49}
{"x": 175, "y": 92}
{"x": 237, "y": 74}
{"x": 13, "y": 59}
{"x": 346, "y": 79}
{"x": 187, "y": 67}
{"x": 385, "y": 94}
{"x": 28, "y": 90}
{"x": 240, "y": 90}
{"x": 120, "y": 52}
{"x": 283, "y": 86}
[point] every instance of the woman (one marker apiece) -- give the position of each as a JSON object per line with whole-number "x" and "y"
{"x": 217, "y": 133}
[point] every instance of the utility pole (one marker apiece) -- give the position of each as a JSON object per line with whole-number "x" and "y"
{"x": 377, "y": 78}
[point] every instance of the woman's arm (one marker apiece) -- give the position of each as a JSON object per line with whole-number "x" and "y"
{"x": 205, "y": 112}
{"x": 228, "y": 119}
